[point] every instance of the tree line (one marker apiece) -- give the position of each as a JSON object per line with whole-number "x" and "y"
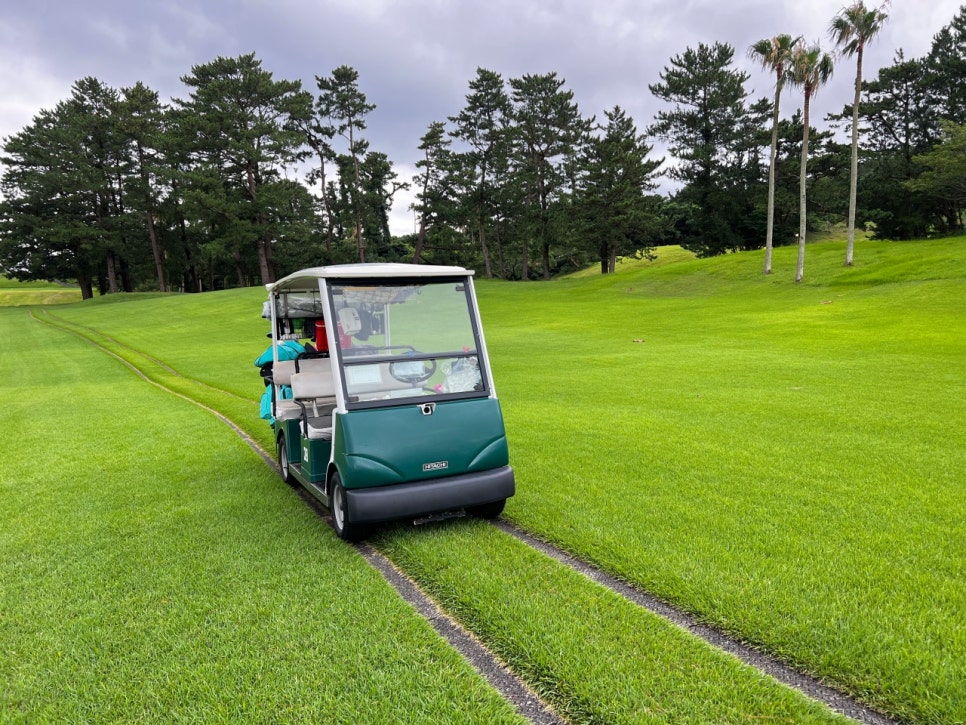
{"x": 247, "y": 178}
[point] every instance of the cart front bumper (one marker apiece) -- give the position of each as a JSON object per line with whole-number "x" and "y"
{"x": 399, "y": 501}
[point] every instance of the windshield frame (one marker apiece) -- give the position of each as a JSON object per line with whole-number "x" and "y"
{"x": 346, "y": 361}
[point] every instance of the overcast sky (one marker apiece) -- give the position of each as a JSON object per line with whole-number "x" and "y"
{"x": 416, "y": 57}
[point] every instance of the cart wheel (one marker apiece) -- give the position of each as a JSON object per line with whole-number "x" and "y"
{"x": 282, "y": 450}
{"x": 338, "y": 505}
{"x": 487, "y": 510}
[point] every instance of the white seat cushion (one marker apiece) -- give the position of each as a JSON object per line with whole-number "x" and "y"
{"x": 313, "y": 384}
{"x": 287, "y": 410}
{"x": 314, "y": 393}
{"x": 282, "y": 372}
{"x": 320, "y": 428}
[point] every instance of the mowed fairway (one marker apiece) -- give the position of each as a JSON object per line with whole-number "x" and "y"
{"x": 153, "y": 570}
{"x": 14, "y": 293}
{"x": 784, "y": 461}
{"x": 789, "y": 462}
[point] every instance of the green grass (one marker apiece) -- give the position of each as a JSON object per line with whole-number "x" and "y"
{"x": 236, "y": 399}
{"x": 154, "y": 570}
{"x": 14, "y": 293}
{"x": 783, "y": 460}
{"x": 730, "y": 691}
{"x": 595, "y": 656}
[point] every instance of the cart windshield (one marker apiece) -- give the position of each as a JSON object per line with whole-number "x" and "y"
{"x": 400, "y": 340}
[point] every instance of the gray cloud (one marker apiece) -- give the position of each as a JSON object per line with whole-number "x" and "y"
{"x": 416, "y": 57}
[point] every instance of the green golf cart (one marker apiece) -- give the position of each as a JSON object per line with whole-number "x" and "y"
{"x": 380, "y": 394}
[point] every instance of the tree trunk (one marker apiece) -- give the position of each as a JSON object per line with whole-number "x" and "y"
{"x": 240, "y": 273}
{"x": 800, "y": 269}
{"x": 854, "y": 178}
{"x": 84, "y": 282}
{"x": 484, "y": 249}
{"x": 111, "y": 273}
{"x": 544, "y": 224}
{"x": 265, "y": 265}
{"x": 156, "y": 252}
{"x": 544, "y": 240}
{"x": 126, "y": 284}
{"x": 420, "y": 240}
{"x": 769, "y": 234}
{"x": 357, "y": 196}
{"x": 152, "y": 232}
{"x": 193, "y": 275}
{"x": 325, "y": 201}
{"x": 360, "y": 242}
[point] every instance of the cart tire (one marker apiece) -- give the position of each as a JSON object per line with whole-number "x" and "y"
{"x": 281, "y": 449}
{"x": 488, "y": 510}
{"x": 338, "y": 505}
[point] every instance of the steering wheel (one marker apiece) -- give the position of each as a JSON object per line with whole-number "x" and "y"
{"x": 412, "y": 372}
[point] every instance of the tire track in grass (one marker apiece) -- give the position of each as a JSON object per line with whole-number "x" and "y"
{"x": 511, "y": 687}
{"x": 807, "y": 685}
{"x": 87, "y": 332}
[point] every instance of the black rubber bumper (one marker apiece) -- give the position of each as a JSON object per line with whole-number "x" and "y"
{"x": 385, "y": 503}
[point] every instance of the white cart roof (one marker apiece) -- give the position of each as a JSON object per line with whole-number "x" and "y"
{"x": 308, "y": 279}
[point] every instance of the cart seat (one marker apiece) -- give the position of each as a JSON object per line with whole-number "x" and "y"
{"x": 317, "y": 363}
{"x": 318, "y": 428}
{"x": 285, "y": 409}
{"x": 314, "y": 394}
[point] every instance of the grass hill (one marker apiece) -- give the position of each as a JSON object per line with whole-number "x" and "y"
{"x": 783, "y": 460}
{"x": 14, "y": 293}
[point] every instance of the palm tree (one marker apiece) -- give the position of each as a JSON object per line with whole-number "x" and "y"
{"x": 851, "y": 29}
{"x": 774, "y": 54}
{"x": 810, "y": 69}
